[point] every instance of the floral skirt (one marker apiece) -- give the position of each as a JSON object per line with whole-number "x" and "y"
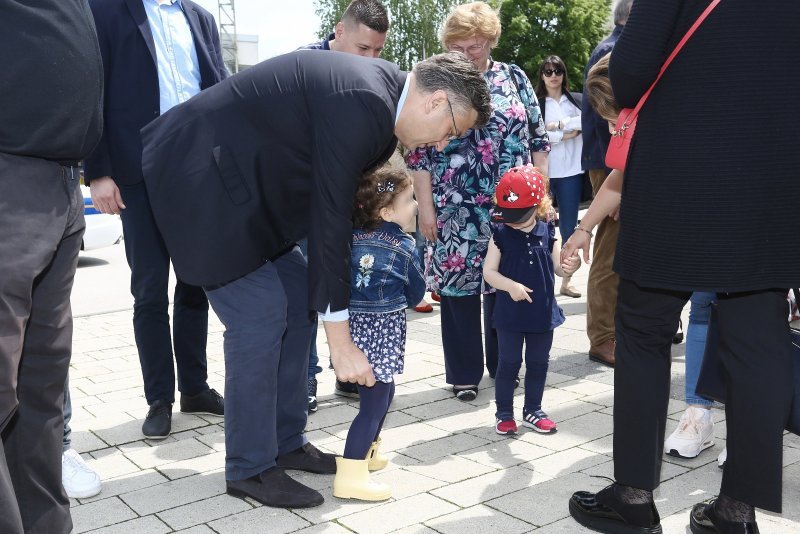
{"x": 382, "y": 337}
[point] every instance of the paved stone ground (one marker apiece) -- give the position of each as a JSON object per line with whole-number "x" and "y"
{"x": 449, "y": 471}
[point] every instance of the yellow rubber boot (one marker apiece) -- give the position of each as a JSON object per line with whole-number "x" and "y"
{"x": 352, "y": 482}
{"x": 377, "y": 461}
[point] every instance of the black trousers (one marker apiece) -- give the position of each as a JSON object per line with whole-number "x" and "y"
{"x": 461, "y": 338}
{"x": 755, "y": 349}
{"x": 41, "y": 227}
{"x": 149, "y": 262}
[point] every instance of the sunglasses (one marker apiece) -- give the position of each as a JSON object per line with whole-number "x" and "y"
{"x": 550, "y": 72}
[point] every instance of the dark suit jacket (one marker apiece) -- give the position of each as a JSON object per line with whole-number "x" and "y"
{"x": 131, "y": 80}
{"x": 593, "y": 127}
{"x": 243, "y": 170}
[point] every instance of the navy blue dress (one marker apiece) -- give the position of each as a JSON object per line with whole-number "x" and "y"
{"x": 526, "y": 258}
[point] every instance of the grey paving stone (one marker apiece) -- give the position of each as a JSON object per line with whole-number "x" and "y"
{"x": 551, "y": 499}
{"x": 478, "y": 519}
{"x": 168, "y": 453}
{"x": 451, "y": 469}
{"x": 259, "y": 520}
{"x": 489, "y": 486}
{"x": 100, "y": 514}
{"x": 506, "y": 452}
{"x": 572, "y": 433}
{"x": 438, "y": 448}
{"x": 128, "y": 483}
{"x": 324, "y": 528}
{"x": 403, "y": 513}
{"x": 175, "y": 493}
{"x": 203, "y": 511}
{"x": 405, "y": 483}
{"x": 143, "y": 525}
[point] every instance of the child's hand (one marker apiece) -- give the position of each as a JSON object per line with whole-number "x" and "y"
{"x": 579, "y": 240}
{"x": 520, "y": 292}
{"x": 570, "y": 265}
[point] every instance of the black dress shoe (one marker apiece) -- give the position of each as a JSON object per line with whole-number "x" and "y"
{"x": 346, "y": 389}
{"x": 275, "y": 488}
{"x": 158, "y": 423}
{"x": 603, "y": 512}
{"x": 704, "y": 520}
{"x": 209, "y": 402}
{"x": 309, "y": 458}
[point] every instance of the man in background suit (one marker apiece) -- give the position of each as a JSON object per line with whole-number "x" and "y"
{"x": 362, "y": 31}
{"x": 156, "y": 54}
{"x": 240, "y": 173}
{"x": 601, "y": 291}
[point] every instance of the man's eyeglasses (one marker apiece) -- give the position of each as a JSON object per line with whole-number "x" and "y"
{"x": 550, "y": 72}
{"x": 455, "y": 128}
{"x": 472, "y": 49}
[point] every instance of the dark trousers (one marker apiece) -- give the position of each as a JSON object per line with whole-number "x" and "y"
{"x": 601, "y": 289}
{"x": 149, "y": 261}
{"x": 267, "y": 337}
{"x": 41, "y": 222}
{"x": 461, "y": 339}
{"x": 372, "y": 409}
{"x": 537, "y": 360}
{"x": 755, "y": 349}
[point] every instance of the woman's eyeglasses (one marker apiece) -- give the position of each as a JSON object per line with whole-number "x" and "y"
{"x": 473, "y": 49}
{"x": 550, "y": 72}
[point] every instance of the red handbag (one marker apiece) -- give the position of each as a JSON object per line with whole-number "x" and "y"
{"x": 620, "y": 145}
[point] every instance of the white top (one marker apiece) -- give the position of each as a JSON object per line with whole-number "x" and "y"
{"x": 565, "y": 156}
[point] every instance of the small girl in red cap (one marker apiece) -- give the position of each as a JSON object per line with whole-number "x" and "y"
{"x": 522, "y": 261}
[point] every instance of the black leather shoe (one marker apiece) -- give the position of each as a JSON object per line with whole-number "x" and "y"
{"x": 346, "y": 389}
{"x": 209, "y": 402}
{"x": 309, "y": 458}
{"x": 275, "y": 488}
{"x": 603, "y": 512}
{"x": 158, "y": 423}
{"x": 703, "y": 520}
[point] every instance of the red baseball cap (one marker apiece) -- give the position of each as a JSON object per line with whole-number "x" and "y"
{"x": 518, "y": 193}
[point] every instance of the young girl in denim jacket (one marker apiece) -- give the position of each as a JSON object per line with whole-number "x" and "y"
{"x": 522, "y": 261}
{"x": 386, "y": 278}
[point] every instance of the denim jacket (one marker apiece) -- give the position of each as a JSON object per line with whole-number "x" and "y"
{"x": 386, "y": 271}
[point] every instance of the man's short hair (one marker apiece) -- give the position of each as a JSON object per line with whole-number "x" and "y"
{"x": 370, "y": 13}
{"x": 454, "y": 74}
{"x": 621, "y": 11}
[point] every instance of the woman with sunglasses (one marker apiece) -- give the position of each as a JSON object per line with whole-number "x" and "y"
{"x": 454, "y": 189}
{"x": 562, "y": 118}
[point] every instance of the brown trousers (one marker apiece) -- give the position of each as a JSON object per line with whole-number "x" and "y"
{"x": 601, "y": 292}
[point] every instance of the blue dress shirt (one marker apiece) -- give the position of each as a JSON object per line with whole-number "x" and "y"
{"x": 176, "y": 57}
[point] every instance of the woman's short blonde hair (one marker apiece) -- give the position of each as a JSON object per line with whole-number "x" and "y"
{"x": 476, "y": 19}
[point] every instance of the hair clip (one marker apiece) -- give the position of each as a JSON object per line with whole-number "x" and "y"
{"x": 385, "y": 186}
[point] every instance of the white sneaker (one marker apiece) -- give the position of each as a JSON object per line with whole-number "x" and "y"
{"x": 722, "y": 457}
{"x": 694, "y": 434}
{"x": 80, "y": 481}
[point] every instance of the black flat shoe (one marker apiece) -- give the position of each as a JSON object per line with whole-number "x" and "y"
{"x": 158, "y": 423}
{"x": 310, "y": 459}
{"x": 465, "y": 393}
{"x": 275, "y": 488}
{"x": 208, "y": 402}
{"x": 603, "y": 512}
{"x": 703, "y": 520}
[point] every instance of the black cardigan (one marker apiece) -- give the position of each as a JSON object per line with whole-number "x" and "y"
{"x": 711, "y": 199}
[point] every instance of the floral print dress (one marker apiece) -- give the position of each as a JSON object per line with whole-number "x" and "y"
{"x": 464, "y": 177}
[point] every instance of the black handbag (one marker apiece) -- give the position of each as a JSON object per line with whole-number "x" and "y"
{"x": 712, "y": 379}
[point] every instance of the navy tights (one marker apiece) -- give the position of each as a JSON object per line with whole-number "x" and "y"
{"x": 367, "y": 425}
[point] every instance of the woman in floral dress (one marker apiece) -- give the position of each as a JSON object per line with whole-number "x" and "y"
{"x": 454, "y": 189}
